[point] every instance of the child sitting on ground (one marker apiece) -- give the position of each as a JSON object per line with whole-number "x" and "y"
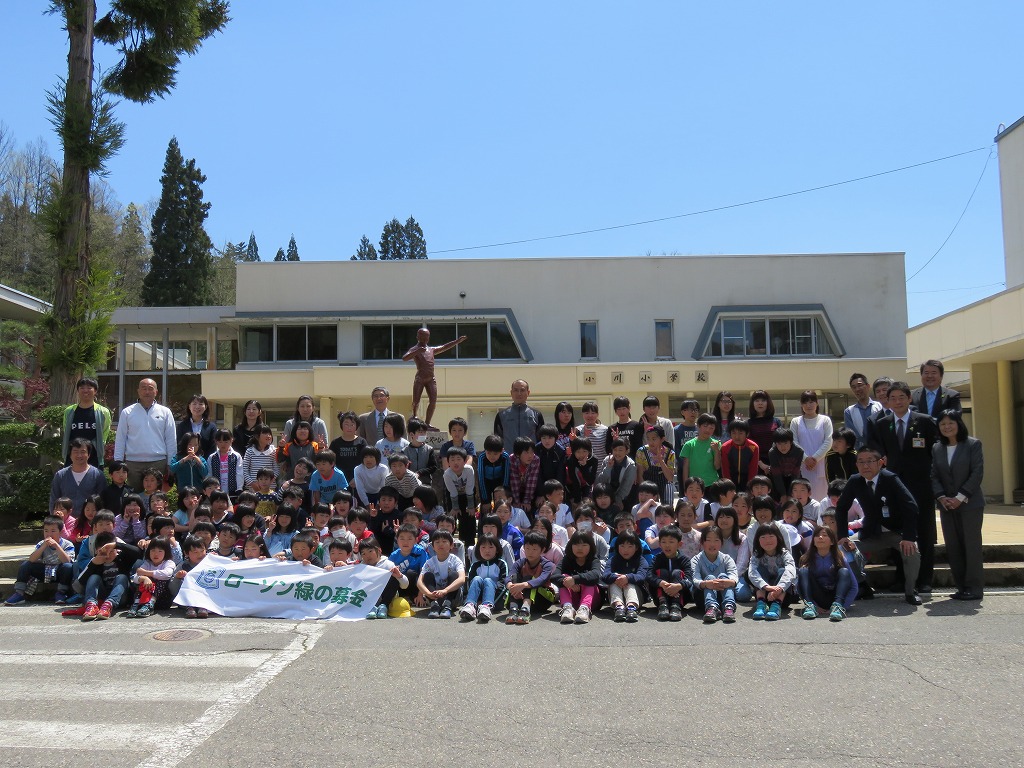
{"x": 51, "y": 560}
{"x": 152, "y": 579}
{"x": 529, "y": 581}
{"x": 105, "y": 578}
{"x": 441, "y": 579}
{"x": 577, "y": 578}
{"x": 487, "y": 577}
{"x": 714, "y": 578}
{"x": 625, "y": 572}
{"x": 824, "y": 577}
{"x": 772, "y": 572}
{"x": 370, "y": 554}
{"x": 669, "y": 577}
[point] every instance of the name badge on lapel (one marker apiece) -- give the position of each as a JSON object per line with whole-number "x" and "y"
{"x": 917, "y": 442}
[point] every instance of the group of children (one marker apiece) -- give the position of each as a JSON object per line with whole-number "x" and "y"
{"x": 561, "y": 521}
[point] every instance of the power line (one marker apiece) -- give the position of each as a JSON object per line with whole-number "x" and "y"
{"x": 962, "y": 213}
{"x": 968, "y": 288}
{"x": 711, "y": 210}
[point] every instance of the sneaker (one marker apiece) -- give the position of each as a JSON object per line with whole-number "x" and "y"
{"x": 620, "y": 612}
{"x": 631, "y": 614}
{"x": 60, "y": 599}
{"x": 133, "y": 612}
{"x": 371, "y": 615}
{"x": 582, "y": 615}
{"x": 91, "y": 611}
{"x": 435, "y": 611}
{"x": 105, "y": 610}
{"x": 147, "y": 610}
{"x": 484, "y": 614}
{"x": 523, "y": 617}
{"x": 16, "y": 598}
{"x": 729, "y": 614}
{"x": 774, "y": 612}
{"x": 567, "y": 615}
{"x": 663, "y": 611}
{"x": 382, "y": 611}
{"x": 202, "y": 613}
{"x": 759, "y": 611}
{"x": 468, "y": 612}
{"x": 810, "y": 611}
{"x": 513, "y": 616}
{"x": 711, "y": 615}
{"x": 75, "y": 600}
{"x": 446, "y": 612}
{"x": 191, "y": 614}
{"x": 838, "y": 613}
{"x": 675, "y": 612}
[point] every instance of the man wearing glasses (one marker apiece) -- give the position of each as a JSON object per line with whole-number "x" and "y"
{"x": 890, "y": 517}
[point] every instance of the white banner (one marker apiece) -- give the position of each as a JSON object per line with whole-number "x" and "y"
{"x": 272, "y": 589}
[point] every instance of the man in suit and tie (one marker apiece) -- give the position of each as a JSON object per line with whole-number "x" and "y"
{"x": 931, "y": 397}
{"x": 857, "y": 416}
{"x": 371, "y": 425}
{"x": 905, "y": 439}
{"x": 890, "y": 517}
{"x": 880, "y": 389}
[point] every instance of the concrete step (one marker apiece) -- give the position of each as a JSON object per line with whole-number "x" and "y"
{"x": 997, "y": 574}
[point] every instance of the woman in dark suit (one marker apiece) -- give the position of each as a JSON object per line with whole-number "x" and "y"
{"x": 957, "y": 469}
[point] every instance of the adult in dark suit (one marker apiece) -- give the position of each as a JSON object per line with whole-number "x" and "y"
{"x": 890, "y": 517}
{"x": 880, "y": 389}
{"x": 957, "y": 470}
{"x": 371, "y": 424}
{"x": 197, "y": 420}
{"x": 905, "y": 438}
{"x": 931, "y": 397}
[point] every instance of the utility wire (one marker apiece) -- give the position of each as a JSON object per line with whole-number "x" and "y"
{"x": 962, "y": 213}
{"x": 968, "y": 288}
{"x": 713, "y": 210}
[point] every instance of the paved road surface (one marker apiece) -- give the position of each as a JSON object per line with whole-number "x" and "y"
{"x": 890, "y": 686}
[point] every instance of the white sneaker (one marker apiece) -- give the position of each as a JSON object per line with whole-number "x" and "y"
{"x": 484, "y": 614}
{"x": 468, "y": 612}
{"x": 583, "y": 615}
{"x": 567, "y": 615}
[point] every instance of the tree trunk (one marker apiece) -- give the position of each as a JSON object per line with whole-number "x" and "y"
{"x": 74, "y": 255}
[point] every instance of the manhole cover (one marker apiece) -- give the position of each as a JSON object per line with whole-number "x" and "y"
{"x": 180, "y": 635}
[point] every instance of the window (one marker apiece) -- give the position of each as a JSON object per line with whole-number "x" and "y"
{"x": 484, "y": 340}
{"x": 734, "y": 333}
{"x": 322, "y": 343}
{"x": 294, "y": 343}
{"x": 258, "y": 344}
{"x": 663, "y": 346}
{"x": 588, "y": 339}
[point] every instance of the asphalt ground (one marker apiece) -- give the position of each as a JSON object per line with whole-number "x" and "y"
{"x": 890, "y": 686}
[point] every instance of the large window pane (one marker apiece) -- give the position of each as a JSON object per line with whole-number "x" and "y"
{"x": 733, "y": 339}
{"x": 323, "y": 342}
{"x": 716, "y": 341}
{"x": 821, "y": 344}
{"x": 475, "y": 345}
{"x": 588, "y": 340}
{"x": 377, "y": 342}
{"x": 442, "y": 334}
{"x": 801, "y": 339}
{"x": 663, "y": 339}
{"x": 756, "y": 337}
{"x": 503, "y": 346}
{"x": 291, "y": 342}
{"x": 404, "y": 339}
{"x": 257, "y": 344}
{"x": 778, "y": 331}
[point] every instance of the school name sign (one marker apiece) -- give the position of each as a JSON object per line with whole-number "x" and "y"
{"x": 271, "y": 589}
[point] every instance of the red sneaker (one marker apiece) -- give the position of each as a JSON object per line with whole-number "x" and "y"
{"x": 105, "y": 610}
{"x": 91, "y": 612}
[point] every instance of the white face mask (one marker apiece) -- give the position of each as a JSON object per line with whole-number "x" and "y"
{"x": 585, "y": 525}
{"x": 338, "y": 533}
{"x": 421, "y": 437}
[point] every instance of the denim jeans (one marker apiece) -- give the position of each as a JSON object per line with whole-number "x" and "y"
{"x": 94, "y": 589}
{"x": 813, "y": 592}
{"x": 482, "y": 590}
{"x": 26, "y": 570}
{"x": 716, "y": 599}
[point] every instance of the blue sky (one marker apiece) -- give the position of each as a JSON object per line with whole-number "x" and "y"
{"x": 495, "y": 122}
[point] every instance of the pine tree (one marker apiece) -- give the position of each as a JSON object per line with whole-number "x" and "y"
{"x": 181, "y": 270}
{"x": 365, "y": 251}
{"x": 279, "y": 256}
{"x": 392, "y": 242}
{"x": 252, "y": 251}
{"x": 130, "y": 258}
{"x": 293, "y": 250}
{"x": 416, "y": 244}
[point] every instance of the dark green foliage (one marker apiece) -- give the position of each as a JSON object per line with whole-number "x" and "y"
{"x": 252, "y": 251}
{"x": 181, "y": 269}
{"x": 279, "y": 256}
{"x": 293, "y": 250}
{"x": 415, "y": 242}
{"x": 365, "y": 251}
{"x": 392, "y": 242}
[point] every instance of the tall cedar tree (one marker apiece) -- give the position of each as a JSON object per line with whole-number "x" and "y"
{"x": 392, "y": 242}
{"x": 252, "y": 251}
{"x": 181, "y": 269}
{"x": 150, "y": 36}
{"x": 293, "y": 250}
{"x": 279, "y": 256}
{"x": 365, "y": 251}
{"x": 415, "y": 242}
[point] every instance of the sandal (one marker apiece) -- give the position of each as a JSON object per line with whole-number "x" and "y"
{"x": 202, "y": 613}
{"x": 190, "y": 613}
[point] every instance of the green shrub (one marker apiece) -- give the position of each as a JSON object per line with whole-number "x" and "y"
{"x": 31, "y": 497}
